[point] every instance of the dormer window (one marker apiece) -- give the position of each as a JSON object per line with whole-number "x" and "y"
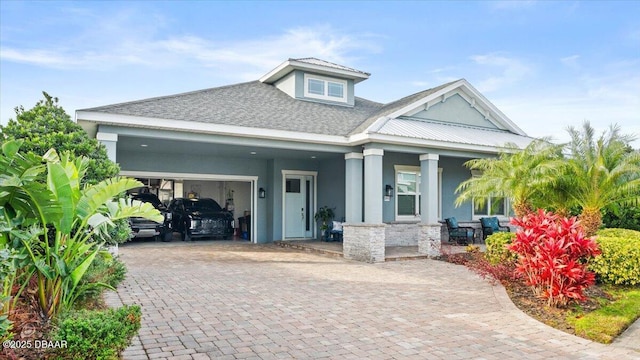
{"x": 320, "y": 87}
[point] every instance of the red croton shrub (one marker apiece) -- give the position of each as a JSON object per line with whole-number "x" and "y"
{"x": 552, "y": 256}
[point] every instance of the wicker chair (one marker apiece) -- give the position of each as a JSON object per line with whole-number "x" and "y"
{"x": 491, "y": 225}
{"x": 460, "y": 234}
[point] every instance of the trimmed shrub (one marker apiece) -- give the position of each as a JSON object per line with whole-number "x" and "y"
{"x": 623, "y": 234}
{"x": 96, "y": 334}
{"x": 552, "y": 252}
{"x": 627, "y": 217}
{"x": 497, "y": 251}
{"x": 619, "y": 262}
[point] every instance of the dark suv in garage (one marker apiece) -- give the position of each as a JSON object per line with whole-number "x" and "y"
{"x": 143, "y": 228}
{"x": 199, "y": 218}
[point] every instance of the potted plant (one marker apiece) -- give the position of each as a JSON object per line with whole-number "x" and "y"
{"x": 324, "y": 214}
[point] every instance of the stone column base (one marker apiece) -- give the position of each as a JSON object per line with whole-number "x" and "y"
{"x": 429, "y": 240}
{"x": 364, "y": 242}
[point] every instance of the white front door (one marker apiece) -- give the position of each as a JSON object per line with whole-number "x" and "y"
{"x": 298, "y": 213}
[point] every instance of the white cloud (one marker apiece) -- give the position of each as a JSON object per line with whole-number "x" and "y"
{"x": 502, "y": 70}
{"x": 571, "y": 61}
{"x": 252, "y": 56}
{"x": 608, "y": 98}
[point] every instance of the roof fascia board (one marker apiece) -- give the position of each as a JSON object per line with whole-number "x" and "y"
{"x": 421, "y": 150}
{"x": 397, "y": 140}
{"x": 199, "y": 127}
{"x": 141, "y": 132}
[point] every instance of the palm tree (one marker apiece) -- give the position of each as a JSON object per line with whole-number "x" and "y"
{"x": 522, "y": 175}
{"x": 600, "y": 172}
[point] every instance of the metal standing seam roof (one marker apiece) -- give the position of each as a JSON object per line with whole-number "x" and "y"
{"x": 452, "y": 133}
{"x": 315, "y": 61}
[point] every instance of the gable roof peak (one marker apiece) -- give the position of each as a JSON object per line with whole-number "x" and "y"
{"x": 314, "y": 65}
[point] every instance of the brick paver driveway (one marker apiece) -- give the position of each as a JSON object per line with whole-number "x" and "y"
{"x": 225, "y": 300}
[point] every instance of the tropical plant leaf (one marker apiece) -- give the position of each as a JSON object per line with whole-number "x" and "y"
{"x": 79, "y": 271}
{"x": 97, "y": 195}
{"x": 59, "y": 184}
{"x": 126, "y": 208}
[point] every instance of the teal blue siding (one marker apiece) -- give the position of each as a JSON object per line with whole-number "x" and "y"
{"x": 331, "y": 185}
{"x": 455, "y": 110}
{"x": 453, "y": 173}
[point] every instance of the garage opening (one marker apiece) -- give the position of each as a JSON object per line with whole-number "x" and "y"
{"x": 235, "y": 194}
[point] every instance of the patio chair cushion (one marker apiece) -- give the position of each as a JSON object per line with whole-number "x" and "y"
{"x": 452, "y": 222}
{"x": 490, "y": 222}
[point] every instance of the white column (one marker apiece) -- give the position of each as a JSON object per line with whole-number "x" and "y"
{"x": 373, "y": 186}
{"x": 353, "y": 187}
{"x": 429, "y": 239}
{"x": 109, "y": 141}
{"x": 429, "y": 188}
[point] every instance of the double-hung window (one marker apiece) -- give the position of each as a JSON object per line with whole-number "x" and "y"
{"x": 491, "y": 206}
{"x": 320, "y": 87}
{"x": 407, "y": 193}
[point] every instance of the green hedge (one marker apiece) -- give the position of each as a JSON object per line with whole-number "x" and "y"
{"x": 496, "y": 247}
{"x": 96, "y": 334}
{"x": 619, "y": 262}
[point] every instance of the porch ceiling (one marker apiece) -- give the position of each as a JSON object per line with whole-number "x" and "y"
{"x": 132, "y": 144}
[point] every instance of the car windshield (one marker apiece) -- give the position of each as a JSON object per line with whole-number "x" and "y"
{"x": 202, "y": 205}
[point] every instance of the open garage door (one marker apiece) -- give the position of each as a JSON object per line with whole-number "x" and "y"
{"x": 237, "y": 194}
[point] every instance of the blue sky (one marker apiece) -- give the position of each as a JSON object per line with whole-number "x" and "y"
{"x": 546, "y": 65}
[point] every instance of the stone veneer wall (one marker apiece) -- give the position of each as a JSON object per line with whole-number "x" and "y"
{"x": 402, "y": 233}
{"x": 364, "y": 242}
{"x": 429, "y": 242}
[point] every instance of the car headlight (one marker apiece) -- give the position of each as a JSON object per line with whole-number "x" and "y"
{"x": 168, "y": 216}
{"x": 195, "y": 224}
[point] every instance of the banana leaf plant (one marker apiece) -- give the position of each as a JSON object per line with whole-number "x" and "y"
{"x": 47, "y": 192}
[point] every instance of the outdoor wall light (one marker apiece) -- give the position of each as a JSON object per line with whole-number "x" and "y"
{"x": 388, "y": 190}
{"x": 262, "y": 193}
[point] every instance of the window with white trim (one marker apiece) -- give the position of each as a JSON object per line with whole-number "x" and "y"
{"x": 320, "y": 87}
{"x": 492, "y": 206}
{"x": 407, "y": 193}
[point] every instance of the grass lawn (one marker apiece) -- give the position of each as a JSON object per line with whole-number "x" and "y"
{"x": 611, "y": 319}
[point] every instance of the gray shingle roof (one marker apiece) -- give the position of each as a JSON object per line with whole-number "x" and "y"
{"x": 251, "y": 104}
{"x": 397, "y": 105}
{"x": 258, "y": 105}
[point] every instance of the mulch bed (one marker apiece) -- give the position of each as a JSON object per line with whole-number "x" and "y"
{"x": 537, "y": 308}
{"x": 523, "y": 297}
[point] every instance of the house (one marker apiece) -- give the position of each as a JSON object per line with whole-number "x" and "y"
{"x": 299, "y": 138}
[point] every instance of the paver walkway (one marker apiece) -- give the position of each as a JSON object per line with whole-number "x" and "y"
{"x": 224, "y": 300}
